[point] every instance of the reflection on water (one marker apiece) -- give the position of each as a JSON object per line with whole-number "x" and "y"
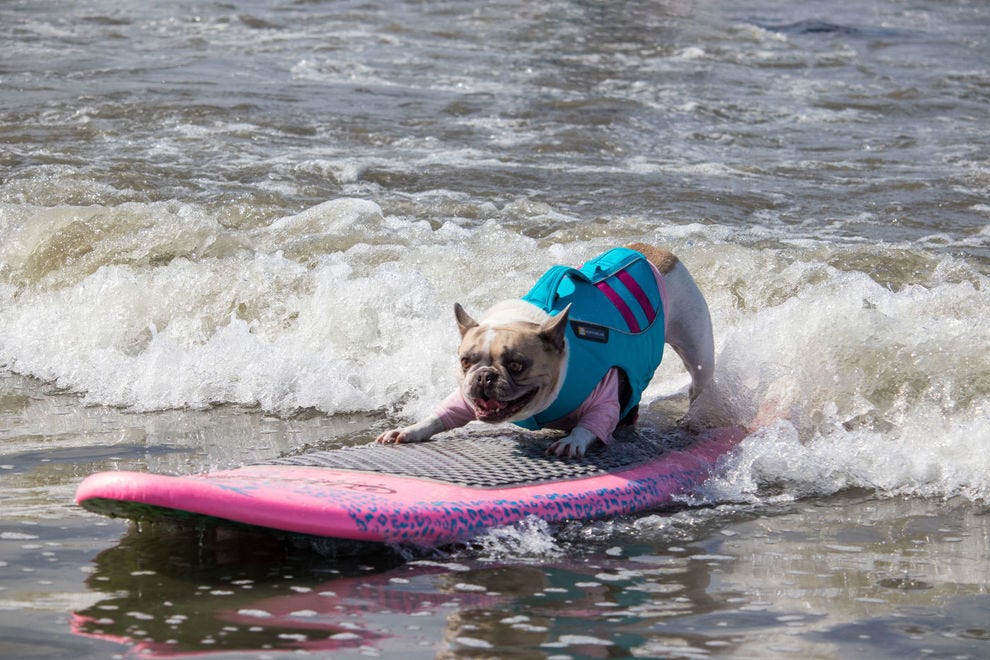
{"x": 845, "y": 576}
{"x": 170, "y": 591}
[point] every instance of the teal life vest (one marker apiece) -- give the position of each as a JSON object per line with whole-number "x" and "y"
{"x": 616, "y": 320}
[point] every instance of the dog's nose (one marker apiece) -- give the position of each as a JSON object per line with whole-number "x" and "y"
{"x": 485, "y": 379}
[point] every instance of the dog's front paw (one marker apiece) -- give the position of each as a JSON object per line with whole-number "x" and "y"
{"x": 418, "y": 432}
{"x": 393, "y": 437}
{"x": 398, "y": 436}
{"x": 566, "y": 449}
{"x": 574, "y": 445}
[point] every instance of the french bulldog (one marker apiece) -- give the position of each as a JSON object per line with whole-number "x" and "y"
{"x": 513, "y": 362}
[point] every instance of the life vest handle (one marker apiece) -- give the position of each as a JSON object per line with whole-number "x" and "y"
{"x": 547, "y": 286}
{"x": 604, "y": 267}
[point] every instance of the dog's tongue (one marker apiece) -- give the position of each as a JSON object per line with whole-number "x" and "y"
{"x": 488, "y": 405}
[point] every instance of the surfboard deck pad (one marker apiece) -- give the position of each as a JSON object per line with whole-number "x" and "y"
{"x": 479, "y": 458}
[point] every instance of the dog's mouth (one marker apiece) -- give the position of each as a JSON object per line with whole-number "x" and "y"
{"x": 493, "y": 410}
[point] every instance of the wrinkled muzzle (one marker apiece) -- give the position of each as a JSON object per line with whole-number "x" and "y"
{"x": 492, "y": 398}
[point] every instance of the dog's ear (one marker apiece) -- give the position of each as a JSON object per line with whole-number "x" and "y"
{"x": 553, "y": 329}
{"x": 464, "y": 320}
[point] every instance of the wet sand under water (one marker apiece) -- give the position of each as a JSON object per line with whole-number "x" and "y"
{"x": 849, "y": 575}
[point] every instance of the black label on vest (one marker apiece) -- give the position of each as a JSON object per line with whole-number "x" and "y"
{"x": 590, "y": 332}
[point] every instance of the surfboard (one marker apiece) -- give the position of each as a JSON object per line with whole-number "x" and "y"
{"x": 450, "y": 489}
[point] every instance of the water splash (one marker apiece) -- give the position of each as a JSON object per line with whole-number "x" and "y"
{"x": 529, "y": 539}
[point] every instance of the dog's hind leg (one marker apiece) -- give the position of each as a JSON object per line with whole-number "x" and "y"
{"x": 689, "y": 328}
{"x": 689, "y": 323}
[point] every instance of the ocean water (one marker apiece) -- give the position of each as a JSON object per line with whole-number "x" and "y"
{"x": 229, "y": 231}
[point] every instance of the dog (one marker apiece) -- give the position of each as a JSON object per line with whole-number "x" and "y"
{"x": 529, "y": 363}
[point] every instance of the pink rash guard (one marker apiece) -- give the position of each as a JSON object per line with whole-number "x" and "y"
{"x": 599, "y": 413}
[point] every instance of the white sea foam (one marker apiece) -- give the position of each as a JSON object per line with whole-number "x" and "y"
{"x": 855, "y": 384}
{"x": 531, "y": 538}
{"x": 855, "y": 380}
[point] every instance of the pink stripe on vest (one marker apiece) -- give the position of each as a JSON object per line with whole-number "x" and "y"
{"x": 639, "y": 295}
{"x": 620, "y": 304}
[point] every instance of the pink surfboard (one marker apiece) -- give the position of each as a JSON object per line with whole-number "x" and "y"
{"x": 450, "y": 489}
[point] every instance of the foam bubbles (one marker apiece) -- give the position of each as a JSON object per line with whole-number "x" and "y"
{"x": 851, "y": 383}
{"x": 858, "y": 367}
{"x": 529, "y": 538}
{"x": 337, "y": 308}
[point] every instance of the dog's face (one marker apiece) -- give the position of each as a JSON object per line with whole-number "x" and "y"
{"x": 511, "y": 367}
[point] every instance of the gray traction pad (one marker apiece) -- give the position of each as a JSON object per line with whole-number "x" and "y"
{"x": 492, "y": 458}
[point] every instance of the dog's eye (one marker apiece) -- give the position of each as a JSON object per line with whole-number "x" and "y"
{"x": 465, "y": 363}
{"x": 516, "y": 367}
